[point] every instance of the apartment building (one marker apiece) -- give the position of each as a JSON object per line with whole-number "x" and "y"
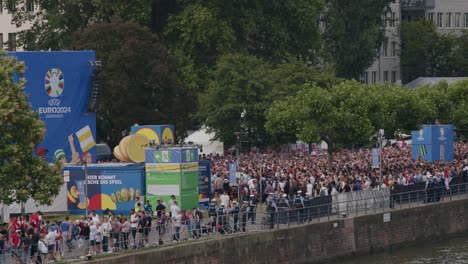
{"x": 449, "y": 16}
{"x": 8, "y": 31}
{"x": 386, "y": 68}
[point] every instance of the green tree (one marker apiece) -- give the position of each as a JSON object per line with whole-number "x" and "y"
{"x": 55, "y": 21}
{"x": 448, "y": 103}
{"x": 141, "y": 82}
{"x": 22, "y": 175}
{"x": 205, "y": 30}
{"x": 427, "y": 53}
{"x": 345, "y": 114}
{"x": 354, "y": 33}
{"x": 240, "y": 82}
{"x": 246, "y": 82}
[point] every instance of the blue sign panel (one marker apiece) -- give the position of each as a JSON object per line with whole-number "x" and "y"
{"x": 375, "y": 158}
{"x": 171, "y": 155}
{"x": 204, "y": 180}
{"x": 113, "y": 188}
{"x": 58, "y": 87}
{"x": 433, "y": 143}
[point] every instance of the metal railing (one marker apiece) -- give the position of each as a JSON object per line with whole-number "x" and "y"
{"x": 228, "y": 224}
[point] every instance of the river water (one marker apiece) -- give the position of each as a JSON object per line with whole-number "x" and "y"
{"x": 450, "y": 251}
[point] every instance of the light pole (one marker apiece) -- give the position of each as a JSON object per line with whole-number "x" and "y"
{"x": 381, "y": 134}
{"x": 85, "y": 169}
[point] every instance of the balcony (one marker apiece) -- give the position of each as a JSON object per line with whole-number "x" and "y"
{"x": 416, "y": 4}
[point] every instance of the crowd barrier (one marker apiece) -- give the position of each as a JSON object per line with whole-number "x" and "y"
{"x": 324, "y": 208}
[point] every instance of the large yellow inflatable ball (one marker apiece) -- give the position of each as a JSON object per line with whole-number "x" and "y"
{"x": 136, "y": 147}
{"x": 150, "y": 134}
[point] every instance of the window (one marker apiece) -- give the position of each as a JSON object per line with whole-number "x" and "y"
{"x": 366, "y": 79}
{"x": 1, "y": 41}
{"x": 465, "y": 20}
{"x": 11, "y": 5}
{"x": 374, "y": 77}
{"x": 393, "y": 20}
{"x": 430, "y": 17}
{"x": 11, "y": 41}
{"x": 448, "y": 21}
{"x": 385, "y": 76}
{"x": 385, "y": 48}
{"x": 393, "y": 76}
{"x": 457, "y": 20}
{"x": 30, "y": 5}
{"x": 394, "y": 49}
{"x": 439, "y": 19}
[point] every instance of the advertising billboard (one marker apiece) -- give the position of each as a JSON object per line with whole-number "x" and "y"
{"x": 433, "y": 143}
{"x": 157, "y": 134}
{"x": 172, "y": 171}
{"x": 204, "y": 181}
{"x": 109, "y": 186}
{"x": 58, "y": 88}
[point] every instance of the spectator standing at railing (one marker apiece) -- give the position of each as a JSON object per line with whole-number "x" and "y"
{"x": 126, "y": 227}
{"x": 198, "y": 219}
{"x": 252, "y": 208}
{"x": 93, "y": 232}
{"x": 2, "y": 249}
{"x": 176, "y": 225}
{"x": 161, "y": 227}
{"x": 147, "y": 219}
{"x": 235, "y": 211}
{"x": 106, "y": 229}
{"x": 133, "y": 226}
{"x": 244, "y": 212}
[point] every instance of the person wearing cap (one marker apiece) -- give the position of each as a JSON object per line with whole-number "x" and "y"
{"x": 42, "y": 152}
{"x": 59, "y": 155}
{"x": 212, "y": 209}
{"x": 299, "y": 206}
{"x": 235, "y": 211}
{"x": 252, "y": 209}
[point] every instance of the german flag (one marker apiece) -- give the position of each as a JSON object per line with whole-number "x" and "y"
{"x": 423, "y": 151}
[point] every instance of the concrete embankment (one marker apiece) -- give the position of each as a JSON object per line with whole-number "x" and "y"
{"x": 318, "y": 241}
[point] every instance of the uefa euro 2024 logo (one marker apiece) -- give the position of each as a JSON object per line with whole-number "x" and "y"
{"x": 54, "y": 82}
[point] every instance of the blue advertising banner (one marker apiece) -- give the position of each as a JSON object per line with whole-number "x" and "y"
{"x": 58, "y": 87}
{"x": 232, "y": 166}
{"x": 204, "y": 181}
{"x": 113, "y": 187}
{"x": 171, "y": 155}
{"x": 433, "y": 143}
{"x": 375, "y": 158}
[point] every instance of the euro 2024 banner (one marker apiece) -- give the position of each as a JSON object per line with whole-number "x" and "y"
{"x": 58, "y": 87}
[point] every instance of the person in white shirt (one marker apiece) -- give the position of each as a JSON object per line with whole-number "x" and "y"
{"x": 106, "y": 228}
{"x": 176, "y": 223}
{"x": 95, "y": 217}
{"x": 133, "y": 225}
{"x": 225, "y": 199}
{"x": 51, "y": 237}
{"x": 93, "y": 232}
{"x": 174, "y": 209}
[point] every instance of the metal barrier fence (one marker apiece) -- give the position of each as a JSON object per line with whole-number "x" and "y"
{"x": 322, "y": 209}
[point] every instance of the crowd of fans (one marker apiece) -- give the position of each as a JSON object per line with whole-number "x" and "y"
{"x": 310, "y": 173}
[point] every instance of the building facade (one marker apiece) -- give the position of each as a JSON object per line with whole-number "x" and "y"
{"x": 448, "y": 16}
{"x": 8, "y": 31}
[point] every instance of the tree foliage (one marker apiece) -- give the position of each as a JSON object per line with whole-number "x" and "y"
{"x": 140, "y": 77}
{"x": 55, "y": 21}
{"x": 22, "y": 175}
{"x": 348, "y": 113}
{"x": 246, "y": 82}
{"x": 205, "y": 30}
{"x": 427, "y": 53}
{"x": 354, "y": 33}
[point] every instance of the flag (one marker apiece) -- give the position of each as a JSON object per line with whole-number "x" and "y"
{"x": 85, "y": 137}
{"x": 423, "y": 151}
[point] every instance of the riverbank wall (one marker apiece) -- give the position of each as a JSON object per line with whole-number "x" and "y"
{"x": 319, "y": 241}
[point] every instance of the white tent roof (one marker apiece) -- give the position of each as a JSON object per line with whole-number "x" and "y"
{"x": 210, "y": 146}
